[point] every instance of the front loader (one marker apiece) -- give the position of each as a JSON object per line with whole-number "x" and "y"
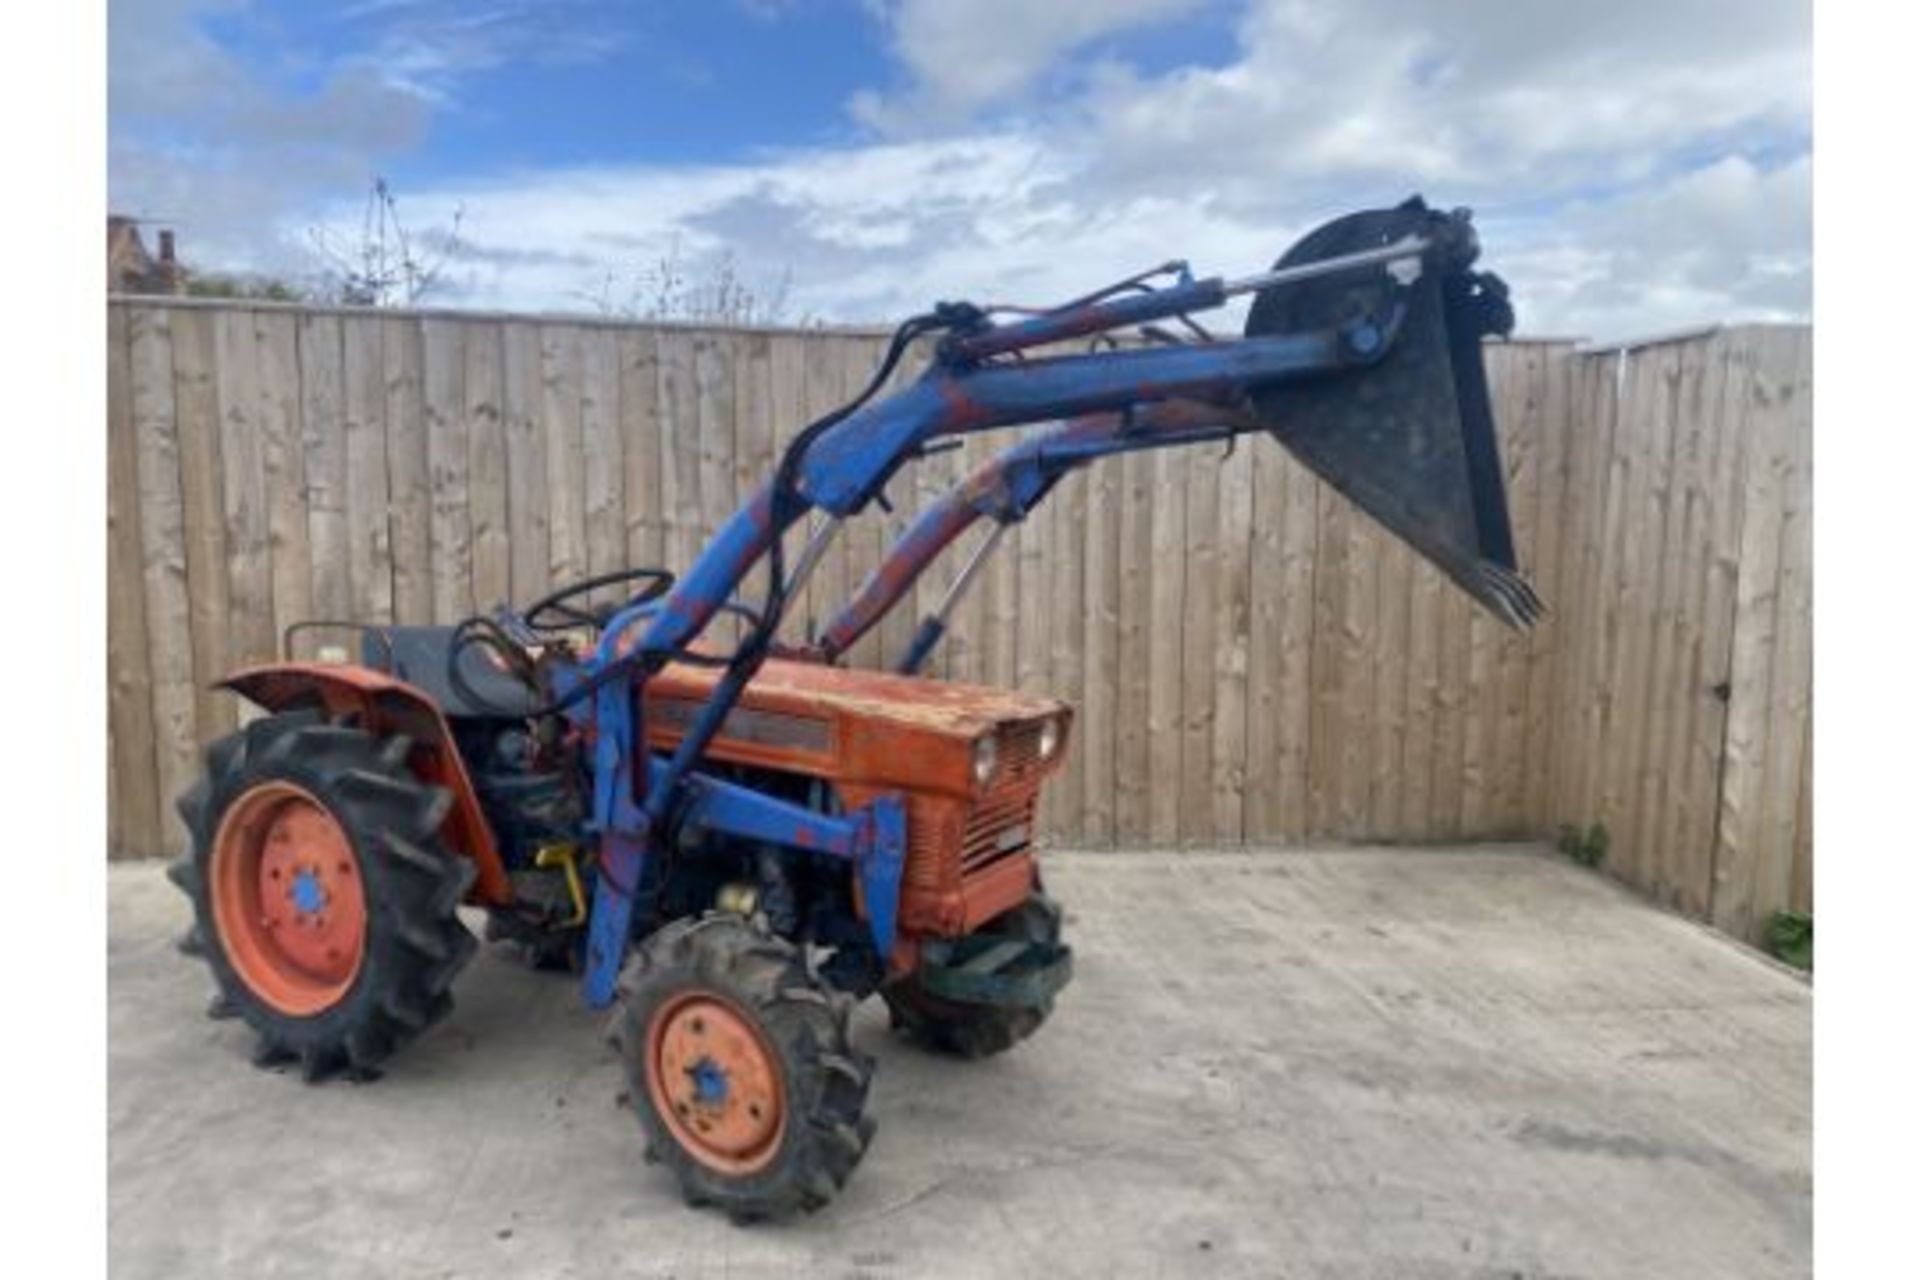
{"x": 733, "y": 844}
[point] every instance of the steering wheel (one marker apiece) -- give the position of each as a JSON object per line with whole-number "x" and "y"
{"x": 566, "y": 616}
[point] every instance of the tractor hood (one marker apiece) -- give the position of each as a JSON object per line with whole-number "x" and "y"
{"x": 908, "y": 702}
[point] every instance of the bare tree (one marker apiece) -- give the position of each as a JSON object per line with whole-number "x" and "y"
{"x": 387, "y": 265}
{"x": 669, "y": 290}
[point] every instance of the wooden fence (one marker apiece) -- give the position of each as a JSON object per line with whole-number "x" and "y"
{"x": 1252, "y": 659}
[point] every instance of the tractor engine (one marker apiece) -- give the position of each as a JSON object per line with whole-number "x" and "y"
{"x": 970, "y": 760}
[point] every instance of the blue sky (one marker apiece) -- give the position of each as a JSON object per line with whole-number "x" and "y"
{"x": 1635, "y": 167}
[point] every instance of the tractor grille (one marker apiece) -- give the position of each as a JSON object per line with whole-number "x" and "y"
{"x": 1000, "y": 823}
{"x": 985, "y": 831}
{"x": 1019, "y": 754}
{"x": 933, "y": 827}
{"x": 1000, "y": 826}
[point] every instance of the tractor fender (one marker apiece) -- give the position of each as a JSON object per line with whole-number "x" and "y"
{"x": 385, "y": 705}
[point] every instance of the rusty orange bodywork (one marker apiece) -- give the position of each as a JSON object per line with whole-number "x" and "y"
{"x": 970, "y": 848}
{"x": 386, "y": 705}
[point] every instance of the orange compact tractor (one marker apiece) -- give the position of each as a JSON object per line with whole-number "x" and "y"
{"x": 734, "y": 843}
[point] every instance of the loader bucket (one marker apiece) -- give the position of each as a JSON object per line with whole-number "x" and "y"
{"x": 1409, "y": 438}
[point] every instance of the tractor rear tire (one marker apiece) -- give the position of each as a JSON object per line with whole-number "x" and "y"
{"x": 976, "y": 1030}
{"x": 740, "y": 1070}
{"x": 323, "y": 898}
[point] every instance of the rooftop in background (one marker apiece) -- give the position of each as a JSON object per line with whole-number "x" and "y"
{"x": 131, "y": 269}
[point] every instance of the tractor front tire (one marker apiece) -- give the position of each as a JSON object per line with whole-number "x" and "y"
{"x": 739, "y": 1067}
{"x": 323, "y": 898}
{"x": 976, "y": 1030}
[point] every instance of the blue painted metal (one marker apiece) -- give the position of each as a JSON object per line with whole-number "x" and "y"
{"x": 307, "y": 895}
{"x": 842, "y": 472}
{"x": 1089, "y": 318}
{"x": 926, "y": 638}
{"x": 882, "y": 863}
{"x": 1008, "y": 486}
{"x": 849, "y": 463}
{"x": 709, "y": 1082}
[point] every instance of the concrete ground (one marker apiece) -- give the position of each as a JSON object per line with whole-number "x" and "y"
{"x": 1404, "y": 1063}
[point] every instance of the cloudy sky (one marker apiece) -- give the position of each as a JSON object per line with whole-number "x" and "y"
{"x": 1635, "y": 166}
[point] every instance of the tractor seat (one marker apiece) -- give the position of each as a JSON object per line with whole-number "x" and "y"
{"x": 419, "y": 656}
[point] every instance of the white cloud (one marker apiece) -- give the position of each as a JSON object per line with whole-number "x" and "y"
{"x": 1636, "y": 167}
{"x": 198, "y": 140}
{"x": 962, "y": 55}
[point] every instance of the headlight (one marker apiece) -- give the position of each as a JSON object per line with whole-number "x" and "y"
{"x": 986, "y": 758}
{"x": 1049, "y": 739}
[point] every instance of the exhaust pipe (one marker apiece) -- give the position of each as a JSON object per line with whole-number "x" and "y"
{"x": 1408, "y": 438}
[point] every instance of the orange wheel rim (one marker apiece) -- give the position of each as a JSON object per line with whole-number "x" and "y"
{"x": 287, "y": 898}
{"x": 715, "y": 1083}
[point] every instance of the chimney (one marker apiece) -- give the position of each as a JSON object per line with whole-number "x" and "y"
{"x": 166, "y": 248}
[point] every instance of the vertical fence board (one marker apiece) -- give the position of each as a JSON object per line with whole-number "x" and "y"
{"x": 1065, "y": 607}
{"x": 1233, "y": 608}
{"x": 277, "y": 353}
{"x": 1133, "y": 777}
{"x": 196, "y": 414}
{"x": 1673, "y": 692}
{"x": 134, "y": 807}
{"x": 1294, "y": 651}
{"x": 163, "y": 564}
{"x": 1552, "y": 517}
{"x": 1165, "y": 636}
{"x": 323, "y": 443}
{"x": 1800, "y": 897}
{"x": 1391, "y": 658}
{"x": 369, "y": 538}
{"x": 1355, "y": 708}
{"x": 1198, "y": 652}
{"x": 1424, "y": 587}
{"x": 1327, "y": 725}
{"x": 1267, "y": 605}
{"x": 1784, "y": 875}
{"x": 250, "y": 632}
{"x": 640, "y": 436}
{"x": 409, "y": 503}
{"x": 1573, "y": 614}
{"x": 1682, "y": 842}
{"x": 485, "y": 413}
{"x": 604, "y": 463}
{"x": 443, "y": 399}
{"x": 560, "y": 396}
{"x": 1771, "y": 648}
{"x": 1524, "y": 398}
{"x": 1002, "y": 591}
{"x": 1645, "y": 667}
{"x": 1624, "y": 584}
{"x": 1096, "y": 742}
{"x": 753, "y": 455}
{"x": 1736, "y": 906}
{"x": 527, "y": 521}
{"x": 1596, "y": 561}
{"x": 714, "y": 407}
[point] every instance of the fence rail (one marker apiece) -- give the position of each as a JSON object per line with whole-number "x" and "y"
{"x": 1252, "y": 659}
